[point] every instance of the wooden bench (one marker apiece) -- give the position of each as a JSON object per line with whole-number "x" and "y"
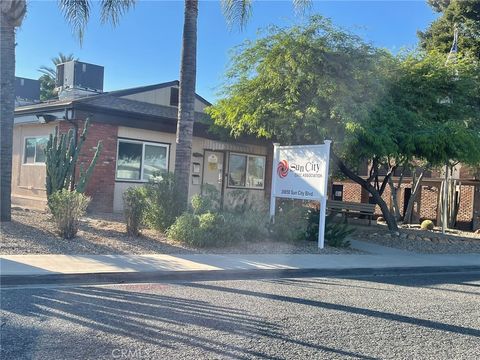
{"x": 351, "y": 208}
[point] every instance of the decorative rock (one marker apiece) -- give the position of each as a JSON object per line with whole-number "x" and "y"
{"x": 411, "y": 237}
{"x": 403, "y": 236}
{"x": 427, "y": 239}
{"x": 396, "y": 233}
{"x": 477, "y": 232}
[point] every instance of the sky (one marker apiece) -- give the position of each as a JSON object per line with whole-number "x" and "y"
{"x": 145, "y": 47}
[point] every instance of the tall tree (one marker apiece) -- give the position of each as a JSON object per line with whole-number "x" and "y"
{"x": 306, "y": 84}
{"x": 463, "y": 14}
{"x": 236, "y": 12}
{"x": 47, "y": 80}
{"x": 12, "y": 13}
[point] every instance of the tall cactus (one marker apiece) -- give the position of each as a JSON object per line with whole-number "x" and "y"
{"x": 61, "y": 157}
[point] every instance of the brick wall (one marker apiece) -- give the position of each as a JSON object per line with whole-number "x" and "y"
{"x": 102, "y": 182}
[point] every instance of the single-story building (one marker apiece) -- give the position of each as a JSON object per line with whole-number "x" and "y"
{"x": 138, "y": 130}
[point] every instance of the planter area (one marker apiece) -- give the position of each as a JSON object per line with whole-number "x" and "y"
{"x": 412, "y": 238}
{"x": 33, "y": 232}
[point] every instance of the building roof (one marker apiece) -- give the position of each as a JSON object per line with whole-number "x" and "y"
{"x": 113, "y": 101}
{"x": 113, "y": 108}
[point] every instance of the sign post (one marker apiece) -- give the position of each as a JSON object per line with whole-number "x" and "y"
{"x": 301, "y": 172}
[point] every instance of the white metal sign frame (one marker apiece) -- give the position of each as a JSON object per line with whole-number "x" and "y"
{"x": 301, "y": 172}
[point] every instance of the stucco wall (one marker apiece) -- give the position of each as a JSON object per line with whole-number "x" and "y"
{"x": 160, "y": 97}
{"x": 198, "y": 147}
{"x": 28, "y": 180}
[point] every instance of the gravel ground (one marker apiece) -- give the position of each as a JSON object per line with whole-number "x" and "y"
{"x": 32, "y": 232}
{"x": 430, "y": 316}
{"x": 422, "y": 241}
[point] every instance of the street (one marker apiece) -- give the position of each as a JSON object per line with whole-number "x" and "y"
{"x": 415, "y": 316}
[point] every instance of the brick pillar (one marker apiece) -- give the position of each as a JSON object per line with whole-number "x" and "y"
{"x": 102, "y": 182}
{"x": 476, "y": 207}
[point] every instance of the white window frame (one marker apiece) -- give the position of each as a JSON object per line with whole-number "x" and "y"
{"x": 24, "y": 158}
{"x": 246, "y": 171}
{"x": 143, "y": 143}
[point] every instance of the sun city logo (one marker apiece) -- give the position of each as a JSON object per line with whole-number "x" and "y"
{"x": 282, "y": 169}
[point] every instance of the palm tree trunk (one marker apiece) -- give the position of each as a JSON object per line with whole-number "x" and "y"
{"x": 186, "y": 104}
{"x": 7, "y": 103}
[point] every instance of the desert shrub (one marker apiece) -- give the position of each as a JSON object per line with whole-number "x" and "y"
{"x": 184, "y": 228}
{"x": 335, "y": 233}
{"x": 134, "y": 205}
{"x": 427, "y": 225}
{"x": 205, "y": 230}
{"x": 290, "y": 224}
{"x": 67, "y": 207}
{"x": 208, "y": 201}
{"x": 162, "y": 205}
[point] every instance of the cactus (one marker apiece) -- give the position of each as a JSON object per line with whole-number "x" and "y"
{"x": 61, "y": 157}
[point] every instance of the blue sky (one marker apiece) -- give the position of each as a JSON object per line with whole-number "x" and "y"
{"x": 145, "y": 48}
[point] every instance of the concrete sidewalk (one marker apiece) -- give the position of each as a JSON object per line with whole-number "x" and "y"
{"x": 39, "y": 265}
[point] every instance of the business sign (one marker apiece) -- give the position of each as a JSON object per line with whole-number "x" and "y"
{"x": 301, "y": 172}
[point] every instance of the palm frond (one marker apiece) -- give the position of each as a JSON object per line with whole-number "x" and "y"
{"x": 50, "y": 72}
{"x": 62, "y": 58}
{"x": 302, "y": 5}
{"x": 77, "y": 13}
{"x": 237, "y": 12}
{"x": 112, "y": 10}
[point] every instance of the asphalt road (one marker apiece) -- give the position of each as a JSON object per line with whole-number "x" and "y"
{"x": 434, "y": 316}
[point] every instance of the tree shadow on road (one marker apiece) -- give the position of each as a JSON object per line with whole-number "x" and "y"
{"x": 166, "y": 322}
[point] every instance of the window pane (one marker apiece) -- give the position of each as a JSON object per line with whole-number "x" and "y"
{"x": 256, "y": 169}
{"x": 155, "y": 160}
{"x": 236, "y": 170}
{"x": 129, "y": 161}
{"x": 30, "y": 151}
{"x": 40, "y": 149}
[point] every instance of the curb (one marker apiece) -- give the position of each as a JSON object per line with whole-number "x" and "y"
{"x": 211, "y": 275}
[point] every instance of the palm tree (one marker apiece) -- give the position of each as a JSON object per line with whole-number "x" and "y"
{"x": 236, "y": 12}
{"x": 12, "y": 13}
{"x": 51, "y": 72}
{"x": 47, "y": 80}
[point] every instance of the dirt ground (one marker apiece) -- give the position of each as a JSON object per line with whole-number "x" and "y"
{"x": 33, "y": 232}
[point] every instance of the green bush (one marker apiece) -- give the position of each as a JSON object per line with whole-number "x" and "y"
{"x": 335, "y": 233}
{"x": 205, "y": 230}
{"x": 291, "y": 224}
{"x": 134, "y": 206}
{"x": 208, "y": 201}
{"x": 427, "y": 225}
{"x": 67, "y": 207}
{"x": 184, "y": 229}
{"x": 162, "y": 205}
{"x": 217, "y": 228}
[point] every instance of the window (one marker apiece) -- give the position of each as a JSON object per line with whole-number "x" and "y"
{"x": 139, "y": 161}
{"x": 34, "y": 152}
{"x": 246, "y": 171}
{"x": 174, "y": 96}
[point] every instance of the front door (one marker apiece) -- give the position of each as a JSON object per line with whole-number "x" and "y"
{"x": 213, "y": 169}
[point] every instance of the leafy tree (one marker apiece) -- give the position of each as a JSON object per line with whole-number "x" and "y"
{"x": 47, "y": 80}
{"x": 315, "y": 82}
{"x": 465, "y": 15}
